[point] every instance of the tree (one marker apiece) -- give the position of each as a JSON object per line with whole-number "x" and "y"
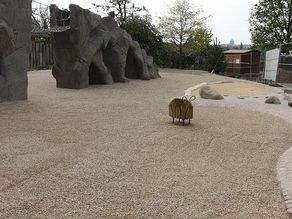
{"x": 215, "y": 59}
{"x": 180, "y": 23}
{"x": 198, "y": 43}
{"x": 123, "y": 9}
{"x": 40, "y": 15}
{"x": 141, "y": 30}
{"x": 271, "y": 23}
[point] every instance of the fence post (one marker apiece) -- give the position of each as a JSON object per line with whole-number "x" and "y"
{"x": 41, "y": 55}
{"x": 279, "y": 59}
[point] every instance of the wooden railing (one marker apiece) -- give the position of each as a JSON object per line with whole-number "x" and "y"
{"x": 41, "y": 55}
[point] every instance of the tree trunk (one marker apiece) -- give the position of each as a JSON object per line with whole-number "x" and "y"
{"x": 120, "y": 13}
{"x": 125, "y": 10}
{"x": 180, "y": 52}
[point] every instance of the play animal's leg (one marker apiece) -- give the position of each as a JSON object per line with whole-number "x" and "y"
{"x": 183, "y": 122}
{"x": 189, "y": 121}
{"x": 179, "y": 120}
{"x": 172, "y": 119}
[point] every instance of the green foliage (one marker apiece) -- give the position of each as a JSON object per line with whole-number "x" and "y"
{"x": 123, "y": 9}
{"x": 137, "y": 22}
{"x": 195, "y": 37}
{"x": 148, "y": 37}
{"x": 37, "y": 68}
{"x": 180, "y": 23}
{"x": 215, "y": 59}
{"x": 198, "y": 43}
{"x": 271, "y": 23}
{"x": 194, "y": 52}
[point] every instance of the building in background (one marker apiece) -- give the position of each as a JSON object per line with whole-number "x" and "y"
{"x": 41, "y": 52}
{"x": 233, "y": 45}
{"x": 243, "y": 63}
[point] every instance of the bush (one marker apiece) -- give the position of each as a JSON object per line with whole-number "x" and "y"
{"x": 215, "y": 59}
{"x": 148, "y": 37}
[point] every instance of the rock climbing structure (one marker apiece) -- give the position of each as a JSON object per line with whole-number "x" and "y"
{"x": 15, "y": 40}
{"x": 94, "y": 50}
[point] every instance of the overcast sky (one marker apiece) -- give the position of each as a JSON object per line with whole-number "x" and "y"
{"x": 229, "y": 21}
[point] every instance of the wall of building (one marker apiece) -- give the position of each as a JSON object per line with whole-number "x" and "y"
{"x": 233, "y": 58}
{"x": 243, "y": 63}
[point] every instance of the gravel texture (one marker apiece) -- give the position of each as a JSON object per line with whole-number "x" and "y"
{"x": 112, "y": 152}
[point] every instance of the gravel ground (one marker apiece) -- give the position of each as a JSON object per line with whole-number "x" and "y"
{"x": 112, "y": 152}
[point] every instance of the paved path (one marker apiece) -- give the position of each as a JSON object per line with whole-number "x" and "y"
{"x": 283, "y": 111}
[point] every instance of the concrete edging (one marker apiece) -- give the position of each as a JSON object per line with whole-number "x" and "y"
{"x": 284, "y": 169}
{"x": 284, "y": 165}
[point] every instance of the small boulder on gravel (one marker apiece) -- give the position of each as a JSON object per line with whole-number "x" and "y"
{"x": 273, "y": 100}
{"x": 207, "y": 92}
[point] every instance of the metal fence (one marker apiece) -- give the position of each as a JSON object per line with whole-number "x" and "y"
{"x": 248, "y": 66}
{"x": 284, "y": 74}
{"x": 278, "y": 67}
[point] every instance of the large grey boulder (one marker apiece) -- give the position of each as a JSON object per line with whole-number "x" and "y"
{"x": 207, "y": 92}
{"x": 272, "y": 100}
{"x": 94, "y": 50}
{"x": 15, "y": 40}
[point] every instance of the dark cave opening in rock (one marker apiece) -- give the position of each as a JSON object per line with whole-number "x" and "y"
{"x": 134, "y": 66}
{"x": 96, "y": 76}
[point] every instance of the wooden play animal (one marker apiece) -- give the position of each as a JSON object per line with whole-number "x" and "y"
{"x": 181, "y": 108}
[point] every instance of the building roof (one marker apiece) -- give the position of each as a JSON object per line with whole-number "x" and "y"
{"x": 41, "y": 32}
{"x": 59, "y": 29}
{"x": 240, "y": 51}
{"x": 37, "y": 31}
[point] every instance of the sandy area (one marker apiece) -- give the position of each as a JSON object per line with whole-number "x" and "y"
{"x": 228, "y": 86}
{"x": 112, "y": 152}
{"x": 236, "y": 88}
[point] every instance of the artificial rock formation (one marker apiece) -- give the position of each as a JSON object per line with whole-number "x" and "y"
{"x": 94, "y": 50}
{"x": 15, "y": 38}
